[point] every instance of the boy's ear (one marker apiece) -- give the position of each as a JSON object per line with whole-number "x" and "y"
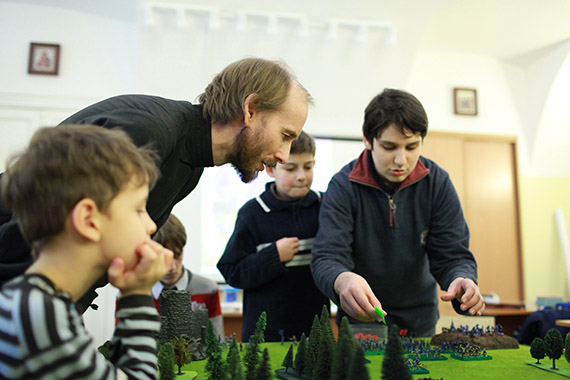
{"x": 249, "y": 110}
{"x": 85, "y": 219}
{"x": 270, "y": 171}
{"x": 367, "y": 143}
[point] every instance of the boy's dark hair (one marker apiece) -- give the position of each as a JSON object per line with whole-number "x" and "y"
{"x": 65, "y": 164}
{"x": 172, "y": 235}
{"x": 304, "y": 143}
{"x": 270, "y": 81}
{"x": 396, "y": 107}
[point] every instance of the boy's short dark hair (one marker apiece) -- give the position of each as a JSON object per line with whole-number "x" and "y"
{"x": 172, "y": 235}
{"x": 396, "y": 107}
{"x": 65, "y": 164}
{"x": 270, "y": 81}
{"x": 304, "y": 143}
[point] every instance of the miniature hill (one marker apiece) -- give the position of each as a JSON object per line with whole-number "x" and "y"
{"x": 489, "y": 341}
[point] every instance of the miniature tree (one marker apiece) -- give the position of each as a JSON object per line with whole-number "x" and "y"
{"x": 394, "y": 365}
{"x": 166, "y": 361}
{"x": 322, "y": 368}
{"x": 343, "y": 353}
{"x": 233, "y": 369}
{"x": 252, "y": 350}
{"x": 567, "y": 348}
{"x": 263, "y": 371}
{"x": 181, "y": 356}
{"x": 214, "y": 366}
{"x": 312, "y": 349}
{"x": 554, "y": 344}
{"x": 288, "y": 361}
{"x": 357, "y": 369}
{"x": 537, "y": 349}
{"x": 326, "y": 325}
{"x": 299, "y": 364}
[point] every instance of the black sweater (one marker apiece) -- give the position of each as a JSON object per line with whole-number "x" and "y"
{"x": 176, "y": 130}
{"x": 286, "y": 292}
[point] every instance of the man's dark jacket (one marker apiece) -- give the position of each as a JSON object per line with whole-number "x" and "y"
{"x": 175, "y": 130}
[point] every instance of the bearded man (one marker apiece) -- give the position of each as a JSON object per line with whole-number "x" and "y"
{"x": 248, "y": 116}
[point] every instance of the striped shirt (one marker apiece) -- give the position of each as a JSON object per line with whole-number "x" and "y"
{"x": 42, "y": 336}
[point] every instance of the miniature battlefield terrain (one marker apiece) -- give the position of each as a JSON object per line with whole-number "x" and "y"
{"x": 489, "y": 338}
{"x": 187, "y": 337}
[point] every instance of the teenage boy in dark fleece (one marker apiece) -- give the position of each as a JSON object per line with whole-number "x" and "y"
{"x": 392, "y": 227}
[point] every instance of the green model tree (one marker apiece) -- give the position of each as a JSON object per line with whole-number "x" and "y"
{"x": 326, "y": 323}
{"x": 233, "y": 360}
{"x": 343, "y": 353}
{"x": 537, "y": 349}
{"x": 166, "y": 361}
{"x": 394, "y": 365}
{"x": 301, "y": 356}
{"x": 567, "y": 348}
{"x": 312, "y": 349}
{"x": 288, "y": 361}
{"x": 554, "y": 344}
{"x": 253, "y": 350}
{"x": 357, "y": 369}
{"x": 263, "y": 371}
{"x": 181, "y": 356}
{"x": 322, "y": 369}
{"x": 214, "y": 365}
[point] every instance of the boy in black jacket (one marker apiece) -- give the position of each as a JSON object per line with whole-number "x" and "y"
{"x": 269, "y": 252}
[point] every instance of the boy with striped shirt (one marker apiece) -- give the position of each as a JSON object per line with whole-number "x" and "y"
{"x": 79, "y": 193}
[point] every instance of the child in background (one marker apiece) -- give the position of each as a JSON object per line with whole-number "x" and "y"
{"x": 269, "y": 252}
{"x": 204, "y": 291}
{"x": 79, "y": 193}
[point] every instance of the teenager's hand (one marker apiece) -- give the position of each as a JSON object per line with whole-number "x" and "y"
{"x": 357, "y": 298}
{"x": 287, "y": 247}
{"x": 153, "y": 263}
{"x": 468, "y": 293}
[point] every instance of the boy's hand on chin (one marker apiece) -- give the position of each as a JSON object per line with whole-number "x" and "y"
{"x": 152, "y": 264}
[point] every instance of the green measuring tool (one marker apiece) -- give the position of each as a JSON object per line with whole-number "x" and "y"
{"x": 380, "y": 314}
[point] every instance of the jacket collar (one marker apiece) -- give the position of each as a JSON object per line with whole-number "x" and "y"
{"x": 198, "y": 147}
{"x": 362, "y": 172}
{"x": 269, "y": 202}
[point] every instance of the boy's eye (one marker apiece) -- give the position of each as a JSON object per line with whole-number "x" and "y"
{"x": 388, "y": 147}
{"x": 412, "y": 147}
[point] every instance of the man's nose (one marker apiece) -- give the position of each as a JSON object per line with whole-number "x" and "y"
{"x": 282, "y": 155}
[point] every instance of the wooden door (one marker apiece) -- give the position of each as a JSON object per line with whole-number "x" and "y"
{"x": 483, "y": 171}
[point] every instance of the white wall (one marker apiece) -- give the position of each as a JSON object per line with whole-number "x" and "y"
{"x": 98, "y": 46}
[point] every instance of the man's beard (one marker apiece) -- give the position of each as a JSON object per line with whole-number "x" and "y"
{"x": 246, "y": 155}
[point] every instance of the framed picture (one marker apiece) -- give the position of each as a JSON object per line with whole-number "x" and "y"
{"x": 44, "y": 59}
{"x": 465, "y": 101}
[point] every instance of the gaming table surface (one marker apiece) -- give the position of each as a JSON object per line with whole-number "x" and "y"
{"x": 505, "y": 365}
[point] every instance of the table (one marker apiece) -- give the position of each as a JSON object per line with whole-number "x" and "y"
{"x": 509, "y": 317}
{"x": 563, "y": 322}
{"x": 506, "y": 364}
{"x": 232, "y": 324}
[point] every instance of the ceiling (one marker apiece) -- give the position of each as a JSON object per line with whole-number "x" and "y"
{"x": 502, "y": 29}
{"x": 498, "y": 28}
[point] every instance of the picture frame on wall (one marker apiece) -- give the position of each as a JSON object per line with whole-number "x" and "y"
{"x": 465, "y": 101}
{"x": 44, "y": 58}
